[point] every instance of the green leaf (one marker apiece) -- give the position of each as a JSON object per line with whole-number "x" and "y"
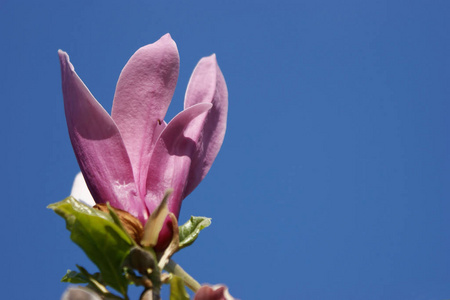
{"x": 177, "y": 290}
{"x": 189, "y": 231}
{"x": 80, "y": 277}
{"x": 100, "y": 238}
{"x": 74, "y": 277}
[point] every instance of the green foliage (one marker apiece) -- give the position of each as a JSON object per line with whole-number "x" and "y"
{"x": 189, "y": 231}
{"x": 103, "y": 238}
{"x": 177, "y": 290}
{"x": 105, "y": 243}
{"x": 81, "y": 277}
{"x": 74, "y": 277}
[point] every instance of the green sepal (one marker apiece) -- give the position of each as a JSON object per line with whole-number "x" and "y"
{"x": 189, "y": 231}
{"x": 101, "y": 239}
{"x": 177, "y": 290}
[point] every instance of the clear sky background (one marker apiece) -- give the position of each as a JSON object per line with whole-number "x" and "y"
{"x": 333, "y": 180}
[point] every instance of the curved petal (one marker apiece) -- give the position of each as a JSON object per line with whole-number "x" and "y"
{"x": 206, "y": 85}
{"x": 171, "y": 160}
{"x": 98, "y": 146}
{"x": 80, "y": 191}
{"x": 169, "y": 167}
{"x": 143, "y": 94}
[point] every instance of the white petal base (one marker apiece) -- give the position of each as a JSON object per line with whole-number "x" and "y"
{"x": 81, "y": 192}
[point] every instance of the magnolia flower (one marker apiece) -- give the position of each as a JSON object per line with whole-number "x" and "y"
{"x": 132, "y": 157}
{"x": 215, "y": 292}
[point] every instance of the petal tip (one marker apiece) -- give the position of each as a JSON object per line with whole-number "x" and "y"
{"x": 209, "y": 106}
{"x": 167, "y": 38}
{"x": 165, "y": 43}
{"x": 212, "y": 58}
{"x": 210, "y": 61}
{"x": 62, "y": 56}
{"x": 65, "y": 60}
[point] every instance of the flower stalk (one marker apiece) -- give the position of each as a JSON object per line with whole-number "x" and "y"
{"x": 177, "y": 270}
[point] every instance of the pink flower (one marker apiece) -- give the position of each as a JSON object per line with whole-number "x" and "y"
{"x": 216, "y": 292}
{"x": 132, "y": 157}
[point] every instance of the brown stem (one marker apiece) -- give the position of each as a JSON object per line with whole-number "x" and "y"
{"x": 150, "y": 294}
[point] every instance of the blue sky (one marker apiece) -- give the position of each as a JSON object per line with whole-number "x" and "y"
{"x": 333, "y": 180}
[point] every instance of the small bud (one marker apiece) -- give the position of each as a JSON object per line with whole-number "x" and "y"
{"x": 155, "y": 222}
{"x": 131, "y": 224}
{"x": 141, "y": 260}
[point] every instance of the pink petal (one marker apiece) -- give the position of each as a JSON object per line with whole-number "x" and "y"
{"x": 98, "y": 146}
{"x": 216, "y": 292}
{"x": 143, "y": 94}
{"x": 169, "y": 167}
{"x": 206, "y": 85}
{"x": 171, "y": 160}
